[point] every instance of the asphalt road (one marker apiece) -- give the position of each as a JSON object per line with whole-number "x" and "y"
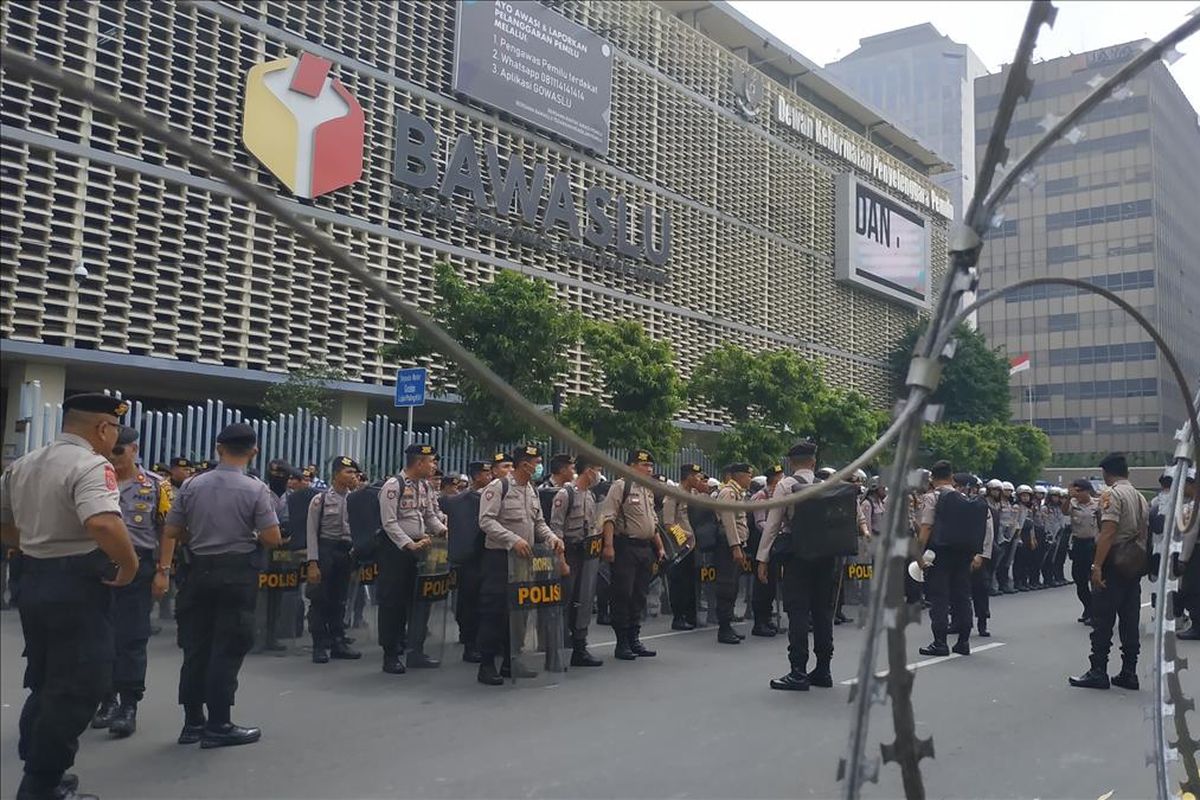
{"x": 698, "y": 721}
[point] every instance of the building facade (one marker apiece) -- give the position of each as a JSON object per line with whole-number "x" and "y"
{"x": 925, "y": 81}
{"x": 700, "y": 201}
{"x": 1117, "y": 208}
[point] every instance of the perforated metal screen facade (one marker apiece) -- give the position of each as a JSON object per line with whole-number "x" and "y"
{"x": 184, "y": 270}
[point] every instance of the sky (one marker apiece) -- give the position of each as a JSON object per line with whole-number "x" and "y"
{"x": 826, "y": 31}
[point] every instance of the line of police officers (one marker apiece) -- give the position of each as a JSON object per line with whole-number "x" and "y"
{"x": 76, "y": 513}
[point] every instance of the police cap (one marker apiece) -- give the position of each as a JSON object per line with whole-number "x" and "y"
{"x": 640, "y": 457}
{"x": 126, "y": 435}
{"x": 526, "y": 453}
{"x": 309, "y": 472}
{"x": 416, "y": 449}
{"x": 688, "y": 470}
{"x": 345, "y": 462}
{"x": 476, "y": 467}
{"x": 179, "y": 461}
{"x": 501, "y": 458}
{"x": 238, "y": 434}
{"x": 1115, "y": 464}
{"x": 96, "y": 403}
{"x": 774, "y": 469}
{"x": 804, "y": 449}
{"x": 739, "y": 467}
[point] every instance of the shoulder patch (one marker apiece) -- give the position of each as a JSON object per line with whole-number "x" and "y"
{"x": 391, "y": 494}
{"x": 488, "y": 495}
{"x": 110, "y": 477}
{"x": 557, "y": 502}
{"x": 1105, "y": 499}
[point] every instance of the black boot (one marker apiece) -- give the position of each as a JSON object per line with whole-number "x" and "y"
{"x": 105, "y": 713}
{"x": 580, "y": 657}
{"x": 393, "y": 664}
{"x": 727, "y": 635}
{"x": 342, "y": 650}
{"x": 763, "y": 630}
{"x": 794, "y": 681}
{"x": 1092, "y": 679}
{"x": 983, "y": 629}
{"x": 623, "y": 651}
{"x": 487, "y": 673}
{"x": 681, "y": 624}
{"x": 228, "y": 735}
{"x": 124, "y": 722}
{"x": 962, "y": 646}
{"x": 320, "y": 655}
{"x": 1127, "y": 678}
{"x": 821, "y": 675}
{"x": 635, "y": 643}
{"x": 935, "y": 648}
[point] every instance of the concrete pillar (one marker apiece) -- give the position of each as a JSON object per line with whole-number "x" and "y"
{"x": 351, "y": 411}
{"x": 53, "y": 380}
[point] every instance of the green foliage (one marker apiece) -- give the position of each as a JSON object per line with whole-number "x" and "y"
{"x": 1022, "y": 452}
{"x": 974, "y": 385}
{"x": 306, "y": 387}
{"x": 641, "y": 383}
{"x": 516, "y": 326}
{"x": 754, "y": 442}
{"x": 997, "y": 450}
{"x": 844, "y": 424}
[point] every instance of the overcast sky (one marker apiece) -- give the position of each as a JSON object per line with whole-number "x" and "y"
{"x": 826, "y": 31}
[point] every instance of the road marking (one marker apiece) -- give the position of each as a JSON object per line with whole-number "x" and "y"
{"x": 930, "y": 661}
{"x": 709, "y": 628}
{"x": 1146, "y": 605}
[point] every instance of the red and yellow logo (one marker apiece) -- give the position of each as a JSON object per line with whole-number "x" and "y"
{"x": 303, "y": 125}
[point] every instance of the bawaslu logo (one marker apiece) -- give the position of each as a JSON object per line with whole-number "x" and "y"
{"x": 303, "y": 125}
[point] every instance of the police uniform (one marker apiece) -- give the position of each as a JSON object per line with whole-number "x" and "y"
{"x": 145, "y": 501}
{"x": 1120, "y": 597}
{"x": 735, "y": 532}
{"x": 49, "y": 496}
{"x": 1189, "y": 562}
{"x": 763, "y": 594}
{"x": 573, "y": 519}
{"x": 630, "y": 509}
{"x": 408, "y": 512}
{"x": 466, "y": 556}
{"x": 328, "y": 545}
{"x": 508, "y": 512}
{"x": 1085, "y": 527}
{"x": 807, "y": 584}
{"x": 223, "y": 512}
{"x": 947, "y": 583}
{"x": 682, "y": 579}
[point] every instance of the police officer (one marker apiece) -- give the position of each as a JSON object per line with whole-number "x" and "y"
{"x": 1085, "y": 527}
{"x": 981, "y": 564}
{"x": 631, "y": 544}
{"x": 730, "y": 555}
{"x": 145, "y": 501}
{"x": 1117, "y": 591}
{"x": 762, "y": 600}
{"x": 682, "y": 578}
{"x": 807, "y": 584}
{"x": 223, "y": 516}
{"x": 510, "y": 516}
{"x": 1025, "y": 542}
{"x": 330, "y": 564}
{"x": 502, "y": 466}
{"x": 1188, "y": 565}
{"x": 60, "y": 505}
{"x": 180, "y": 470}
{"x": 466, "y": 554}
{"x": 573, "y": 519}
{"x": 410, "y": 517}
{"x": 948, "y": 579}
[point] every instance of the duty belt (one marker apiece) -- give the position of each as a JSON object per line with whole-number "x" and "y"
{"x": 83, "y": 564}
{"x": 342, "y": 545}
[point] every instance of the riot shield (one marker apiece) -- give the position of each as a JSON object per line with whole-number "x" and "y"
{"x": 430, "y": 606}
{"x": 706, "y": 588}
{"x": 361, "y": 611}
{"x": 279, "y": 612}
{"x": 537, "y": 646}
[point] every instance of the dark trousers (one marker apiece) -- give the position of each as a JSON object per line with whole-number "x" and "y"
{"x": 327, "y": 606}
{"x": 1189, "y": 588}
{"x": 1005, "y": 552}
{"x": 631, "y": 573}
{"x": 1049, "y": 552}
{"x": 762, "y": 596}
{"x": 1023, "y": 563}
{"x": 579, "y": 588}
{"x": 395, "y": 586}
{"x": 728, "y": 576}
{"x": 1118, "y": 603}
{"x": 132, "y": 605}
{"x": 808, "y": 588}
{"x": 493, "y": 638}
{"x": 948, "y": 587}
{"x": 1082, "y": 553}
{"x": 466, "y": 604}
{"x": 215, "y": 616}
{"x": 981, "y": 585}
{"x": 683, "y": 584}
{"x": 66, "y": 619}
{"x": 1060, "y": 554}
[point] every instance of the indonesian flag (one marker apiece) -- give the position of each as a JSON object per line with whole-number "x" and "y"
{"x": 1018, "y": 364}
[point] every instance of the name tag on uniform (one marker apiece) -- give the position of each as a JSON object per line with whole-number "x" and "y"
{"x": 592, "y": 546}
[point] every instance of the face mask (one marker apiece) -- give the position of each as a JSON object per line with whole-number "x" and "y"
{"x": 538, "y": 471}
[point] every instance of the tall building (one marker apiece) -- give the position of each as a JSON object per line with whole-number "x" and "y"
{"x": 925, "y": 81}
{"x": 1118, "y": 208}
{"x": 669, "y": 163}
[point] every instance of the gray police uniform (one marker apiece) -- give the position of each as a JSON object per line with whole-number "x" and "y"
{"x": 222, "y": 510}
{"x": 683, "y": 577}
{"x": 1121, "y": 597}
{"x": 573, "y": 519}
{"x": 328, "y": 543}
{"x": 1085, "y": 528}
{"x": 735, "y": 532}
{"x": 66, "y": 612}
{"x": 634, "y": 537}
{"x": 145, "y": 501}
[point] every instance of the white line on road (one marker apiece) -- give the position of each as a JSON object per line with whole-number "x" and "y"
{"x": 1146, "y": 605}
{"x": 709, "y": 628}
{"x": 930, "y": 661}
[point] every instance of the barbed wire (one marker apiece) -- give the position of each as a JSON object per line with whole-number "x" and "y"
{"x": 930, "y": 355}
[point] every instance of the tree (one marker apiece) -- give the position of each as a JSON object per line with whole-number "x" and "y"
{"x": 516, "y": 326}
{"x": 974, "y": 385}
{"x": 306, "y": 387}
{"x": 1022, "y": 452}
{"x": 997, "y": 450}
{"x": 844, "y": 424}
{"x": 641, "y": 383}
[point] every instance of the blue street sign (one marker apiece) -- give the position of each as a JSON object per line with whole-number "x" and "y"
{"x": 410, "y": 387}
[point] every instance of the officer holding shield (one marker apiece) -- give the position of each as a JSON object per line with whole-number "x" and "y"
{"x": 683, "y": 575}
{"x": 330, "y": 564}
{"x": 573, "y": 519}
{"x": 730, "y": 555}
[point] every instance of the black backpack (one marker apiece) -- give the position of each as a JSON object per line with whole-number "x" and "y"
{"x": 705, "y": 526}
{"x": 362, "y": 509}
{"x": 826, "y": 526}
{"x": 960, "y": 522}
{"x": 297, "y": 527}
{"x": 465, "y": 540}
{"x": 546, "y": 494}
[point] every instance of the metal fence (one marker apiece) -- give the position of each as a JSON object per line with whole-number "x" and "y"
{"x": 300, "y": 439}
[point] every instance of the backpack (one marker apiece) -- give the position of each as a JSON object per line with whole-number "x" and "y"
{"x": 546, "y": 495}
{"x": 960, "y": 522}
{"x": 362, "y": 510}
{"x": 705, "y": 527}
{"x": 297, "y": 527}
{"x": 824, "y": 527}
{"x": 465, "y": 540}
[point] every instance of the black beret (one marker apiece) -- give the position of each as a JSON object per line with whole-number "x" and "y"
{"x": 526, "y": 453}
{"x": 295, "y": 473}
{"x": 127, "y": 435}
{"x": 640, "y": 457}
{"x": 774, "y": 469}
{"x": 96, "y": 403}
{"x": 739, "y": 466}
{"x": 501, "y": 458}
{"x": 1114, "y": 462}
{"x": 963, "y": 479}
{"x": 476, "y": 467}
{"x": 802, "y": 449}
{"x": 690, "y": 469}
{"x": 1083, "y": 484}
{"x": 179, "y": 461}
{"x": 159, "y": 467}
{"x": 345, "y": 462}
{"x": 239, "y": 433}
{"x": 416, "y": 449}
{"x": 309, "y": 472}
